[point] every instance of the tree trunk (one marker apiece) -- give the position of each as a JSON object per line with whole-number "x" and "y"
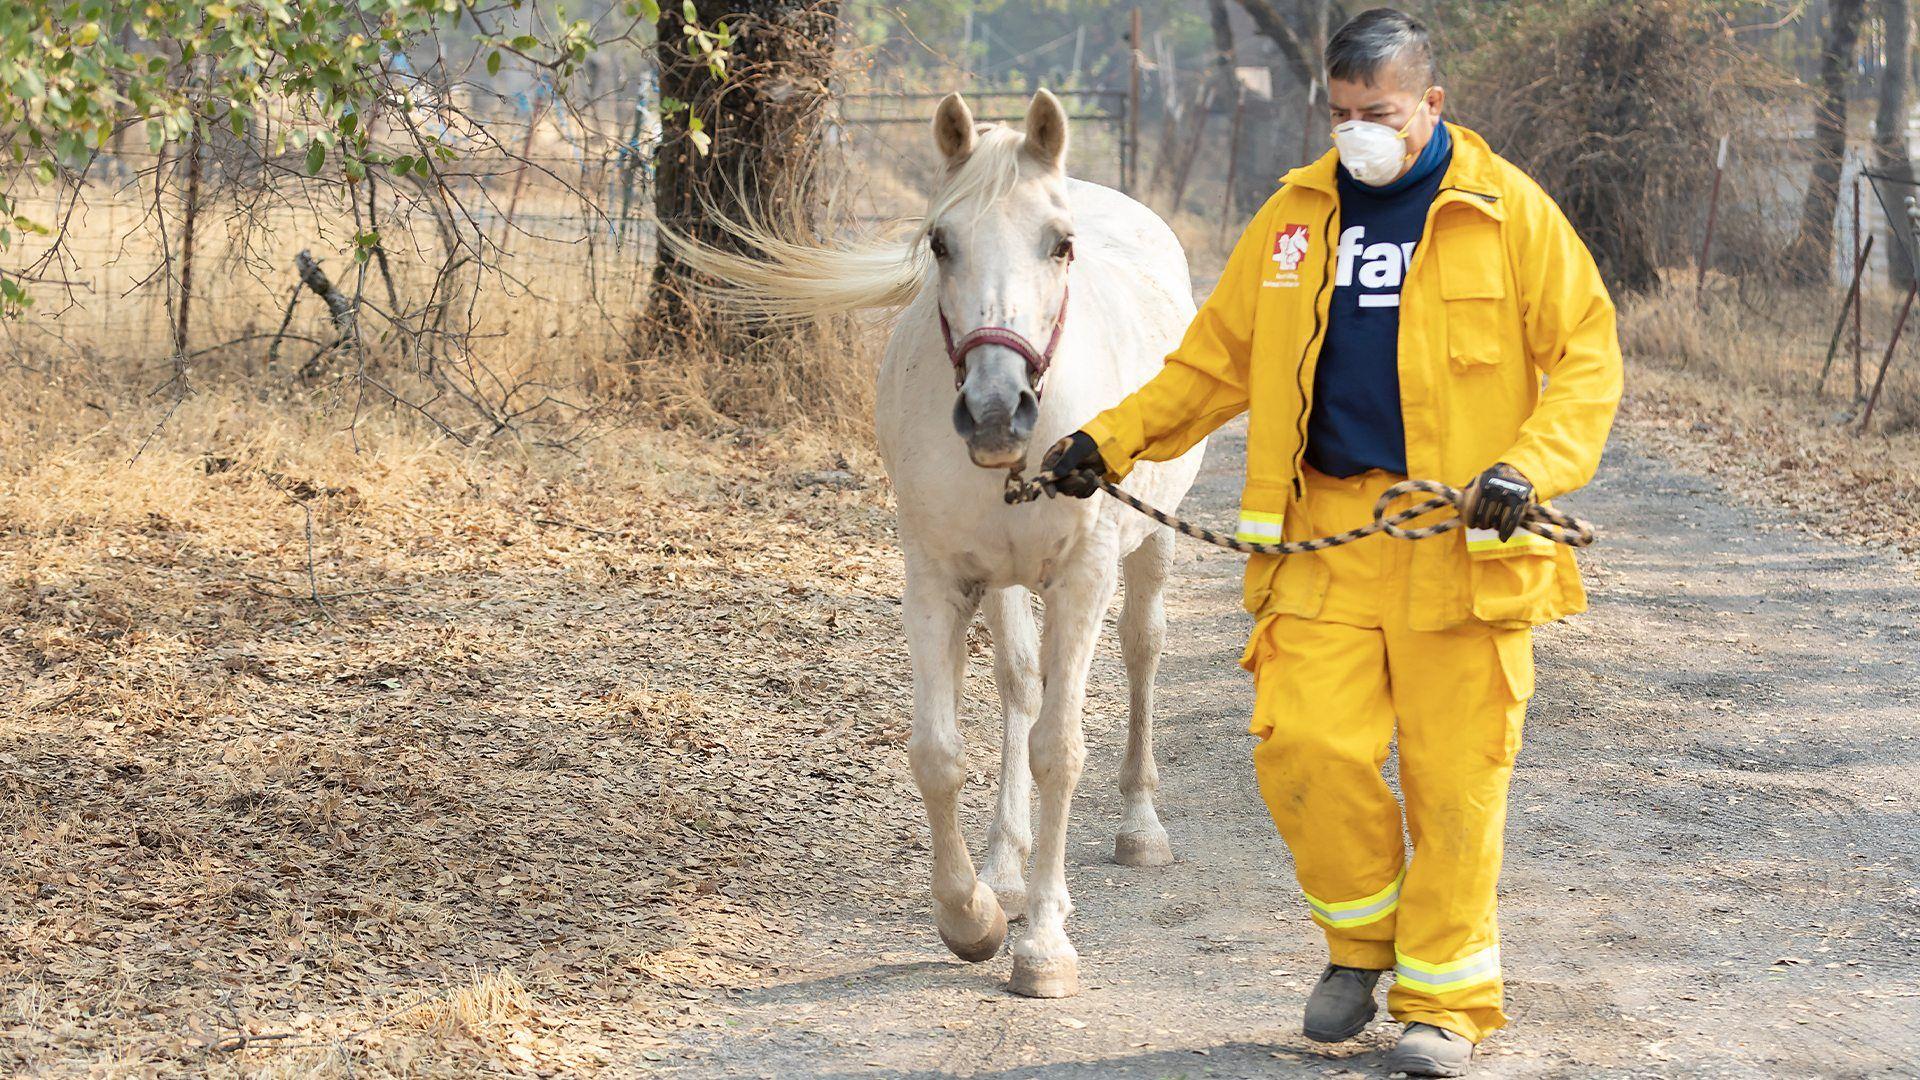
{"x": 1812, "y": 252}
{"x": 1890, "y": 130}
{"x": 1279, "y": 27}
{"x": 764, "y": 119}
{"x": 1229, "y": 54}
{"x": 1222, "y": 88}
{"x": 1223, "y": 51}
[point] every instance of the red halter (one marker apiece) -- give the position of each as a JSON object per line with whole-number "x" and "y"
{"x": 1038, "y": 360}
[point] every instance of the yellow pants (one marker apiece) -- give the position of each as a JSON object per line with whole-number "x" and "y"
{"x": 1331, "y": 694}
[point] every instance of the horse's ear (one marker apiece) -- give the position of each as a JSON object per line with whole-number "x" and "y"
{"x": 1047, "y": 131}
{"x": 953, "y": 128}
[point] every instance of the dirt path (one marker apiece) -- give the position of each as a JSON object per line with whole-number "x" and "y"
{"x": 1711, "y": 862}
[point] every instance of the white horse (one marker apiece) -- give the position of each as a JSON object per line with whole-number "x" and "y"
{"x": 1003, "y": 235}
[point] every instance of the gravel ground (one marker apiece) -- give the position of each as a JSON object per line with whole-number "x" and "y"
{"x": 1711, "y": 853}
{"x": 567, "y": 780}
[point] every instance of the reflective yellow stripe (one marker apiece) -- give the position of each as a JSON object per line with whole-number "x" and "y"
{"x": 1488, "y": 540}
{"x": 1480, "y": 967}
{"x": 1367, "y": 909}
{"x": 1259, "y": 527}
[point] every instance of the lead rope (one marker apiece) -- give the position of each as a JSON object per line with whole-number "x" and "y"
{"x": 1540, "y": 520}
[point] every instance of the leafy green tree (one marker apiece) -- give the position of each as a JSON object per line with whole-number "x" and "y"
{"x": 307, "y": 77}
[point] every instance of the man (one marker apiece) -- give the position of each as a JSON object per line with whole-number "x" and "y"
{"x": 1409, "y": 305}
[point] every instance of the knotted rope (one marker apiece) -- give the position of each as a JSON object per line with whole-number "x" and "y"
{"x": 1540, "y": 520}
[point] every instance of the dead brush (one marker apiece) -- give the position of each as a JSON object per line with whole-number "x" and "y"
{"x": 1666, "y": 326}
{"x": 1206, "y": 243}
{"x": 488, "y": 1006}
{"x": 1727, "y": 388}
{"x": 1769, "y": 336}
{"x": 1615, "y": 109}
{"x": 697, "y": 372}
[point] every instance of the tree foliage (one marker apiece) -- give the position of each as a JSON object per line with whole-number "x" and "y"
{"x": 309, "y": 77}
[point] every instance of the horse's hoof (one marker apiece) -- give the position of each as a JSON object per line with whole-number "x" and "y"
{"x": 1142, "y": 849}
{"x": 1055, "y": 978}
{"x": 977, "y": 949}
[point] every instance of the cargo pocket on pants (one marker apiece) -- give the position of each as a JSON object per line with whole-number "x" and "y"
{"x": 1516, "y": 661}
{"x": 1258, "y": 653}
{"x": 1514, "y": 652}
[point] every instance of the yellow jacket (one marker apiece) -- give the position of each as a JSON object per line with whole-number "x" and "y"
{"x": 1508, "y": 352}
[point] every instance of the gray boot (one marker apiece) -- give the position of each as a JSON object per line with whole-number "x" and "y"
{"x": 1341, "y": 1004}
{"x": 1426, "y": 1050}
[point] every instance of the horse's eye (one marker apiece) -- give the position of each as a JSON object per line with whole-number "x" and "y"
{"x": 937, "y": 245}
{"x": 1063, "y": 249}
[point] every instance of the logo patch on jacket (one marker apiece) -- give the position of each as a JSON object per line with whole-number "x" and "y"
{"x": 1290, "y": 246}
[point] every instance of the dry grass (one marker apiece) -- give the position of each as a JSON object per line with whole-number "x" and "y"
{"x": 559, "y": 289}
{"x": 335, "y": 746}
{"x": 1728, "y": 388}
{"x": 820, "y": 376}
{"x": 1207, "y": 245}
{"x": 526, "y": 786}
{"x": 542, "y": 328}
{"x": 1763, "y": 335}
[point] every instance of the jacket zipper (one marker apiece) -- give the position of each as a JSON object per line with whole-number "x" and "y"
{"x": 1300, "y": 372}
{"x": 1468, "y": 191}
{"x": 1326, "y": 280}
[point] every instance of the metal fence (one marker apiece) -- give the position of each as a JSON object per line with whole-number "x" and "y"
{"x": 899, "y": 122}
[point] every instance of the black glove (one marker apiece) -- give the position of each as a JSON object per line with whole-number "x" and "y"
{"x": 1076, "y": 461}
{"x": 1497, "y": 499}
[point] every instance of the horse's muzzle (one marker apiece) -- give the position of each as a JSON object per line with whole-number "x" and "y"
{"x": 997, "y": 430}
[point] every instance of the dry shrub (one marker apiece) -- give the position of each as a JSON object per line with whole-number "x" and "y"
{"x": 1760, "y": 334}
{"x": 483, "y": 1007}
{"x": 1615, "y": 109}
{"x": 1666, "y": 326}
{"x": 1727, "y": 387}
{"x": 1206, "y": 243}
{"x": 701, "y": 372}
{"x": 535, "y": 334}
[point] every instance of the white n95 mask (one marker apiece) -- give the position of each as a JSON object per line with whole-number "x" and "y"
{"x": 1374, "y": 153}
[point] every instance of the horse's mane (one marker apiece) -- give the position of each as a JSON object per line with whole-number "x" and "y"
{"x": 784, "y": 278}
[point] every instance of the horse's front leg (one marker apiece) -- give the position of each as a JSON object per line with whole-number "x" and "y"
{"x": 1044, "y": 963}
{"x": 1016, "y": 673}
{"x": 1142, "y": 840}
{"x": 938, "y": 607}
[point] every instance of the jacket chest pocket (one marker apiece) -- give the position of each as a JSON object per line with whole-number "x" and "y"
{"x": 1473, "y": 291}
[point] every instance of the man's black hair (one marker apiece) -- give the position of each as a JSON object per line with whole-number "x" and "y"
{"x": 1376, "y": 40}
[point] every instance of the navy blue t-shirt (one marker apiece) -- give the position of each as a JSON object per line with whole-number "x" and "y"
{"x": 1355, "y": 424}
